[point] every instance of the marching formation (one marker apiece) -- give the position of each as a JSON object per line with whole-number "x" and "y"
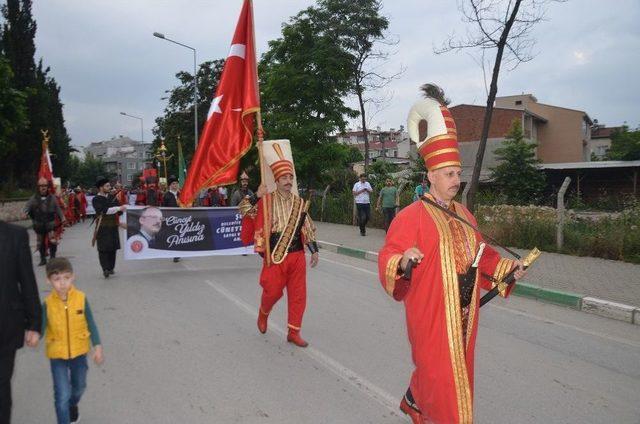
{"x": 434, "y": 260}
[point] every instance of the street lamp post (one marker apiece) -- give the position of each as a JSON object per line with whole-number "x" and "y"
{"x": 141, "y": 124}
{"x": 195, "y": 83}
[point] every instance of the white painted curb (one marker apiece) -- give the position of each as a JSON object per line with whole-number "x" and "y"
{"x": 608, "y": 309}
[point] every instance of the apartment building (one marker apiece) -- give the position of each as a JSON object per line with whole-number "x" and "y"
{"x": 122, "y": 156}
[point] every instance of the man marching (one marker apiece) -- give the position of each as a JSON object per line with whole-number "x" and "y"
{"x": 441, "y": 296}
{"x": 106, "y": 233}
{"x": 43, "y": 209}
{"x": 279, "y": 237}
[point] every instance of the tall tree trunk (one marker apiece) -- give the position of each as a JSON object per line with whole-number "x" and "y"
{"x": 493, "y": 90}
{"x": 364, "y": 126}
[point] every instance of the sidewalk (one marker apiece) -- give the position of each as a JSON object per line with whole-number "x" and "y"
{"x": 608, "y": 288}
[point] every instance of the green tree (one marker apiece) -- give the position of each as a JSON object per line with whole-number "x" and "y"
{"x": 625, "y": 144}
{"x": 177, "y": 121}
{"x": 359, "y": 29}
{"x": 517, "y": 176}
{"x": 304, "y": 79}
{"x": 13, "y": 116}
{"x": 89, "y": 170}
{"x": 44, "y": 109}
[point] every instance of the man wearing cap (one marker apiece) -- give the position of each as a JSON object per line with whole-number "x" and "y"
{"x": 108, "y": 211}
{"x": 43, "y": 209}
{"x": 170, "y": 198}
{"x": 441, "y": 297}
{"x": 243, "y": 191}
{"x": 279, "y": 227}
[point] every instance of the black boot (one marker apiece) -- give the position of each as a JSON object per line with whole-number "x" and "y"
{"x": 43, "y": 261}
{"x": 53, "y": 248}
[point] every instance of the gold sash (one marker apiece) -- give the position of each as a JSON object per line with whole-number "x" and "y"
{"x": 282, "y": 247}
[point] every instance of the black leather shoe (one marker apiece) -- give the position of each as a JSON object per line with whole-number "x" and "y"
{"x": 42, "y": 262}
{"x": 106, "y": 273}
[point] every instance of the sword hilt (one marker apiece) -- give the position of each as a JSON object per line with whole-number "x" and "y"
{"x": 509, "y": 279}
{"x": 409, "y": 269}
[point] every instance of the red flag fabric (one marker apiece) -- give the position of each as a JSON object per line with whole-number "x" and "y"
{"x": 45, "y": 171}
{"x": 228, "y": 132}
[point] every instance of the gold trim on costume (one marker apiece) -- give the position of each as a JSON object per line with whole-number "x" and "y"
{"x": 470, "y": 235}
{"x": 445, "y": 164}
{"x": 441, "y": 152}
{"x": 437, "y": 138}
{"x": 281, "y": 249}
{"x": 293, "y": 327}
{"x": 502, "y": 269}
{"x": 453, "y": 315}
{"x": 391, "y": 274}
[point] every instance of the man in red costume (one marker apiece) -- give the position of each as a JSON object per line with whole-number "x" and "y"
{"x": 82, "y": 201}
{"x": 279, "y": 226}
{"x": 442, "y": 295}
{"x": 121, "y": 195}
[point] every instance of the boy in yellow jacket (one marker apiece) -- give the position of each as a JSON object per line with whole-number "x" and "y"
{"x": 68, "y": 328}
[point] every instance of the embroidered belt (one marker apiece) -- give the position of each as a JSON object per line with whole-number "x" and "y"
{"x": 295, "y": 246}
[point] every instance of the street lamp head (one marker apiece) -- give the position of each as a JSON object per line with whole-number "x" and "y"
{"x": 158, "y": 34}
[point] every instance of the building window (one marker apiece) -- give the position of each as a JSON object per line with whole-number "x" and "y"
{"x": 518, "y": 102}
{"x": 129, "y": 177}
{"x": 131, "y": 165}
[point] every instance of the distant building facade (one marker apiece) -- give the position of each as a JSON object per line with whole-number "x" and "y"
{"x": 122, "y": 156}
{"x": 387, "y": 144}
{"x": 561, "y": 134}
{"x": 600, "y": 142}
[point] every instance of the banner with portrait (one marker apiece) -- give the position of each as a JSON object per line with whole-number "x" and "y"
{"x": 157, "y": 232}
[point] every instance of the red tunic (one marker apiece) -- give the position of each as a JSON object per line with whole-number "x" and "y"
{"x": 275, "y": 277}
{"x": 443, "y": 355}
{"x": 83, "y": 204}
{"x": 122, "y": 198}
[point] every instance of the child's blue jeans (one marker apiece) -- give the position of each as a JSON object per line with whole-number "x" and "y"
{"x": 69, "y": 382}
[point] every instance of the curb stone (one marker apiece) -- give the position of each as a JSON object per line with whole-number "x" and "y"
{"x": 592, "y": 305}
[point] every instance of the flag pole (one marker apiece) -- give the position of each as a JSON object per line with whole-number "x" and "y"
{"x": 265, "y": 211}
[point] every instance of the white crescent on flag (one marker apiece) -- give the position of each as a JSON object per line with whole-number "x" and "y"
{"x": 237, "y": 50}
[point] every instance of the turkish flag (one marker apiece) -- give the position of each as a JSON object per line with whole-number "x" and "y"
{"x": 228, "y": 132}
{"x": 46, "y": 170}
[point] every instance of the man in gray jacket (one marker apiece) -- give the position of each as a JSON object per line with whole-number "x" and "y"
{"x": 43, "y": 208}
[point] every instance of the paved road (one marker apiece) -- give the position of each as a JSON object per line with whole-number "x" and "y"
{"x": 181, "y": 346}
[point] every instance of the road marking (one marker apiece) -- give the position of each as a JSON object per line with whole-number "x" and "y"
{"x": 348, "y": 375}
{"x": 323, "y": 259}
{"x": 569, "y": 326}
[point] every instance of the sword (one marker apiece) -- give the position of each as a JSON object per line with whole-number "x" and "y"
{"x": 98, "y": 221}
{"x": 509, "y": 279}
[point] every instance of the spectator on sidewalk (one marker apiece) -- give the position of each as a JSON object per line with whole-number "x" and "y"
{"x": 388, "y": 202}
{"x": 69, "y": 337}
{"x": 361, "y": 192}
{"x": 421, "y": 189}
{"x": 19, "y": 306}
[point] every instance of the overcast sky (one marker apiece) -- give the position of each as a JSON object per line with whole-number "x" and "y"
{"x": 106, "y": 60}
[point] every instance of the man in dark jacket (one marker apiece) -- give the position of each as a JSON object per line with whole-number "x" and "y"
{"x": 20, "y": 313}
{"x": 43, "y": 208}
{"x": 108, "y": 211}
{"x": 170, "y": 199}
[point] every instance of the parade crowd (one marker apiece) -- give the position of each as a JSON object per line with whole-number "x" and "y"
{"x": 434, "y": 260}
